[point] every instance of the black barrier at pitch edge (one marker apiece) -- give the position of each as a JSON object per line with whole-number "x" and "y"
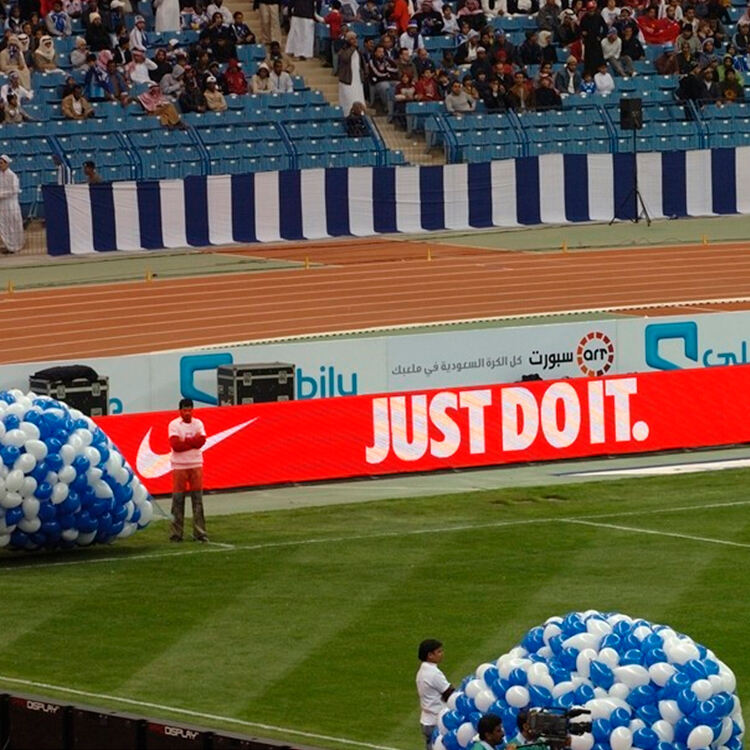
{"x": 28, "y": 722}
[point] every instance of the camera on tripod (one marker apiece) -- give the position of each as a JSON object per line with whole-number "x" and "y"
{"x": 552, "y": 727}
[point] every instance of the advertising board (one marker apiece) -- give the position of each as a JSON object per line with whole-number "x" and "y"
{"x": 427, "y": 430}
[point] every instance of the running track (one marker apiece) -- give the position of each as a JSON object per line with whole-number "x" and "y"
{"x": 357, "y": 286}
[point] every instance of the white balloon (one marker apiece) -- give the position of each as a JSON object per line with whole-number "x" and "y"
{"x": 4, "y": 540}
{"x": 59, "y": 493}
{"x": 465, "y": 733}
{"x": 550, "y": 631}
{"x": 11, "y": 500}
{"x": 583, "y": 741}
{"x": 85, "y": 539}
{"x": 70, "y": 535}
{"x": 93, "y": 455}
{"x": 129, "y": 528}
{"x": 16, "y": 410}
{"x": 452, "y": 698}
{"x": 609, "y": 656}
{"x": 563, "y": 688}
{"x": 661, "y": 672}
{"x": 83, "y": 435}
{"x": 598, "y": 627}
{"x": 670, "y": 711}
{"x": 473, "y": 688}
{"x": 104, "y": 491}
{"x": 436, "y": 745}
{"x": 30, "y": 507}
{"x": 517, "y": 696}
{"x": 140, "y": 493}
{"x": 29, "y": 487}
{"x": 537, "y": 673}
{"x": 636, "y": 724}
{"x": 51, "y": 478}
{"x": 583, "y": 641}
{"x": 484, "y": 699}
{"x": 583, "y": 661}
{"x": 36, "y": 448}
{"x": 683, "y": 652}
{"x": 518, "y": 652}
{"x": 729, "y": 681}
{"x": 30, "y": 525}
{"x": 642, "y": 631}
{"x": 664, "y": 730}
{"x": 75, "y": 442}
{"x": 726, "y": 731}
{"x": 599, "y": 708}
{"x": 67, "y": 454}
{"x": 15, "y": 437}
{"x": 25, "y": 463}
{"x": 147, "y": 513}
{"x": 14, "y": 480}
{"x": 621, "y": 739}
{"x": 702, "y": 689}
{"x": 700, "y": 737}
{"x": 67, "y": 474}
{"x": 30, "y": 430}
{"x": 94, "y": 475}
{"x": 620, "y": 691}
{"x": 716, "y": 683}
{"x": 504, "y": 663}
{"x": 633, "y": 675}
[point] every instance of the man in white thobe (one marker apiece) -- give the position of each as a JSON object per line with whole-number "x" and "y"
{"x": 11, "y": 222}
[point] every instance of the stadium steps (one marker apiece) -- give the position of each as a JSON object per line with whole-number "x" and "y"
{"x": 321, "y": 78}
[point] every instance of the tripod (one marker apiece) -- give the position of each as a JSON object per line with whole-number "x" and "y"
{"x": 639, "y": 207}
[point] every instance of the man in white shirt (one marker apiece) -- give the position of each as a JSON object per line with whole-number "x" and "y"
{"x": 187, "y": 436}
{"x": 11, "y": 222}
{"x": 605, "y": 84}
{"x": 281, "y": 81}
{"x": 612, "y": 51}
{"x": 432, "y": 686}
{"x": 217, "y": 6}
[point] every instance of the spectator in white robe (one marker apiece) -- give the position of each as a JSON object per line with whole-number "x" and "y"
{"x": 11, "y": 222}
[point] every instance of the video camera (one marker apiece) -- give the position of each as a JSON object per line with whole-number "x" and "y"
{"x": 553, "y": 727}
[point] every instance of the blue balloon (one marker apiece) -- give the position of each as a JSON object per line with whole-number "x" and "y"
{"x": 450, "y": 741}
{"x": 19, "y": 539}
{"x": 611, "y": 640}
{"x": 687, "y": 701}
{"x": 695, "y": 670}
{"x": 645, "y": 738}
{"x": 52, "y": 530}
{"x": 8, "y": 397}
{"x": 652, "y": 641}
{"x": 80, "y": 483}
{"x": 11, "y": 422}
{"x": 572, "y": 624}
{"x": 9, "y": 454}
{"x": 54, "y": 461}
{"x": 601, "y": 729}
{"x": 621, "y": 628}
{"x": 641, "y": 695}
{"x": 568, "y": 657}
{"x": 555, "y": 643}
{"x": 648, "y": 713}
{"x": 540, "y": 696}
{"x": 46, "y": 511}
{"x": 631, "y": 656}
{"x": 464, "y": 706}
{"x": 654, "y": 656}
{"x": 534, "y": 639}
{"x": 43, "y": 491}
{"x": 565, "y": 701}
{"x": 517, "y": 677}
{"x": 81, "y": 464}
{"x": 601, "y": 675}
{"x": 620, "y": 717}
{"x": 683, "y": 728}
{"x": 453, "y": 719}
{"x": 13, "y": 515}
{"x": 711, "y": 666}
{"x": 558, "y": 673}
{"x": 67, "y": 521}
{"x": 584, "y": 693}
{"x": 71, "y": 504}
{"x": 705, "y": 711}
{"x": 40, "y": 471}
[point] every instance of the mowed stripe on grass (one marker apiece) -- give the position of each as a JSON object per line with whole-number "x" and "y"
{"x": 322, "y": 637}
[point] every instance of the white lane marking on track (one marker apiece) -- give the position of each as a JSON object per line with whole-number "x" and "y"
{"x": 637, "y": 530}
{"x": 665, "y": 469}
{"x": 34, "y": 564}
{"x": 192, "y": 714}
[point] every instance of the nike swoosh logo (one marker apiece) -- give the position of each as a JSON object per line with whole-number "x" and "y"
{"x": 151, "y": 465}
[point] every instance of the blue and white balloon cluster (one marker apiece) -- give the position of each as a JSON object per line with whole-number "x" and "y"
{"x": 62, "y": 481}
{"x": 647, "y": 687}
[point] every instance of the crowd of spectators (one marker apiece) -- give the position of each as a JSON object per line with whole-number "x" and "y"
{"x": 128, "y": 62}
{"x": 577, "y": 47}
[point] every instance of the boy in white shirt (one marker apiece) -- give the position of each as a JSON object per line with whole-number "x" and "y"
{"x": 432, "y": 686}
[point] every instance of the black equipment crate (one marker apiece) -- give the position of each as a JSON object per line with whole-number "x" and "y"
{"x": 255, "y": 384}
{"x": 79, "y": 387}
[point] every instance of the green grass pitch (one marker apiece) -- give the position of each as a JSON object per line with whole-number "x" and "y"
{"x": 309, "y": 620}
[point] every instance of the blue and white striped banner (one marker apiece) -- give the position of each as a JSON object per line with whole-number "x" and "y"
{"x": 362, "y": 201}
